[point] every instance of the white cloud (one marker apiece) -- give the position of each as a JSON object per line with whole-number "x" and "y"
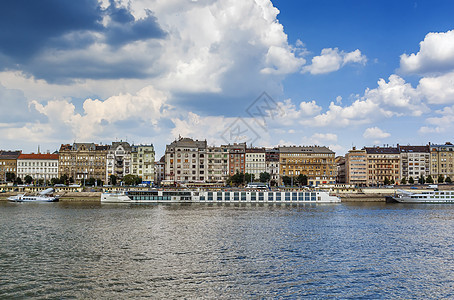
{"x": 325, "y": 137}
{"x": 438, "y": 89}
{"x": 332, "y": 60}
{"x": 442, "y": 123}
{"x": 436, "y": 55}
{"x": 309, "y": 108}
{"x": 375, "y": 133}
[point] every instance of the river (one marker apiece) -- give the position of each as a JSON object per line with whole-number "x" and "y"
{"x": 347, "y": 250}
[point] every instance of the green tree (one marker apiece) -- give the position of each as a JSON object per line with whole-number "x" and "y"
{"x": 63, "y": 179}
{"x": 113, "y": 179}
{"x": 286, "y": 180}
{"x": 302, "y": 179}
{"x": 411, "y": 180}
{"x": 386, "y": 181}
{"x": 273, "y": 182}
{"x": 430, "y": 179}
{"x": 28, "y": 179}
{"x": 403, "y": 181}
{"x": 448, "y": 180}
{"x": 99, "y": 182}
{"x": 421, "y": 179}
{"x": 237, "y": 179}
{"x": 392, "y": 181}
{"x": 132, "y": 179}
{"x": 71, "y": 180}
{"x": 10, "y": 176}
{"x": 19, "y": 180}
{"x": 40, "y": 181}
{"x": 265, "y": 177}
{"x": 54, "y": 181}
{"x": 249, "y": 177}
{"x": 441, "y": 179}
{"x": 90, "y": 181}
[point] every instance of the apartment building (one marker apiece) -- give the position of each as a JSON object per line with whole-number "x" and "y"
{"x": 442, "y": 161}
{"x": 255, "y": 162}
{"x": 272, "y": 164}
{"x": 159, "y": 173}
{"x": 356, "y": 167}
{"x": 118, "y": 160}
{"x": 186, "y": 161}
{"x": 82, "y": 161}
{"x": 316, "y": 162}
{"x": 414, "y": 161}
{"x": 382, "y": 163}
{"x": 143, "y": 162}
{"x": 218, "y": 164}
{"x": 237, "y": 158}
{"x": 38, "y": 166}
{"x": 8, "y": 163}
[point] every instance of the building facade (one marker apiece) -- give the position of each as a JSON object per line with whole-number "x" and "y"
{"x": 341, "y": 169}
{"x": 237, "y": 158}
{"x": 186, "y": 161}
{"x": 356, "y": 167}
{"x": 82, "y": 161}
{"x": 160, "y": 171}
{"x": 414, "y": 162}
{"x": 317, "y": 163}
{"x": 8, "y": 163}
{"x": 255, "y": 162}
{"x": 382, "y": 163}
{"x": 272, "y": 164}
{"x": 218, "y": 164}
{"x": 143, "y": 162}
{"x": 118, "y": 160}
{"x": 442, "y": 161}
{"x": 38, "y": 166}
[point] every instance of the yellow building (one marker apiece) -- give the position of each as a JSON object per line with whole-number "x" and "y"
{"x": 442, "y": 161}
{"x": 8, "y": 163}
{"x": 382, "y": 163}
{"x": 317, "y": 163}
{"x": 143, "y": 162}
{"x": 82, "y": 161}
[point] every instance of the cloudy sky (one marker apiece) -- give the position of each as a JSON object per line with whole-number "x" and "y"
{"x": 334, "y": 73}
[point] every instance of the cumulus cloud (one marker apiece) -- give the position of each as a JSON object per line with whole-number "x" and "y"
{"x": 442, "y": 123}
{"x": 375, "y": 133}
{"x": 331, "y": 60}
{"x": 438, "y": 89}
{"x": 392, "y": 98}
{"x": 436, "y": 55}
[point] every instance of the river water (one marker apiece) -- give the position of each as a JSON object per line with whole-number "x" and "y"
{"x": 76, "y": 250}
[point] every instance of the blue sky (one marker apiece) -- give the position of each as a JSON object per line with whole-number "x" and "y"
{"x": 334, "y": 73}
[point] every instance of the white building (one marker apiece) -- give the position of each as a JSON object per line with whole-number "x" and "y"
{"x": 38, "y": 166}
{"x": 414, "y": 162}
{"x": 255, "y": 162}
{"x": 143, "y": 157}
{"x": 218, "y": 164}
{"x": 118, "y": 160}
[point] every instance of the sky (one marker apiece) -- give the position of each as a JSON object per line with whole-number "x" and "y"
{"x": 340, "y": 74}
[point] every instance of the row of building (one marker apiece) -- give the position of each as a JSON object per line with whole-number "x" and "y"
{"x": 193, "y": 161}
{"x": 372, "y": 166}
{"x": 185, "y": 161}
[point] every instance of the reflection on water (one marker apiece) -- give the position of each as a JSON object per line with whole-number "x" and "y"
{"x": 66, "y": 250}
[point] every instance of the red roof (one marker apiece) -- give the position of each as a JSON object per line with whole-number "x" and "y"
{"x": 38, "y": 156}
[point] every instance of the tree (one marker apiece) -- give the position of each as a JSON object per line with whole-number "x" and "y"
{"x": 90, "y": 181}
{"x": 10, "y": 176}
{"x": 441, "y": 179}
{"x": 99, "y": 182}
{"x": 71, "y": 180}
{"x": 392, "y": 181}
{"x": 19, "y": 180}
{"x": 430, "y": 179}
{"x": 411, "y": 180}
{"x": 132, "y": 179}
{"x": 237, "y": 179}
{"x": 40, "y": 181}
{"x": 28, "y": 179}
{"x": 249, "y": 177}
{"x": 448, "y": 180}
{"x": 113, "y": 179}
{"x": 386, "y": 181}
{"x": 403, "y": 181}
{"x": 54, "y": 181}
{"x": 287, "y": 180}
{"x": 265, "y": 177}
{"x": 302, "y": 179}
{"x": 273, "y": 182}
{"x": 63, "y": 179}
{"x": 421, "y": 179}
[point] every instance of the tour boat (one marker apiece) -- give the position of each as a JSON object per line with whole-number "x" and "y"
{"x": 403, "y": 196}
{"x": 43, "y": 196}
{"x": 226, "y": 196}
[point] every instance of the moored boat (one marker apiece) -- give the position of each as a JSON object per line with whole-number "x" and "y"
{"x": 44, "y": 196}
{"x": 226, "y": 196}
{"x": 436, "y": 196}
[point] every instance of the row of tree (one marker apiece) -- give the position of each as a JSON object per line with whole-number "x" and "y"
{"x": 422, "y": 180}
{"x": 244, "y": 178}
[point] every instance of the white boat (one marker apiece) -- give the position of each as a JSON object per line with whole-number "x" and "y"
{"x": 403, "y": 196}
{"x": 44, "y": 196}
{"x": 235, "y": 196}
